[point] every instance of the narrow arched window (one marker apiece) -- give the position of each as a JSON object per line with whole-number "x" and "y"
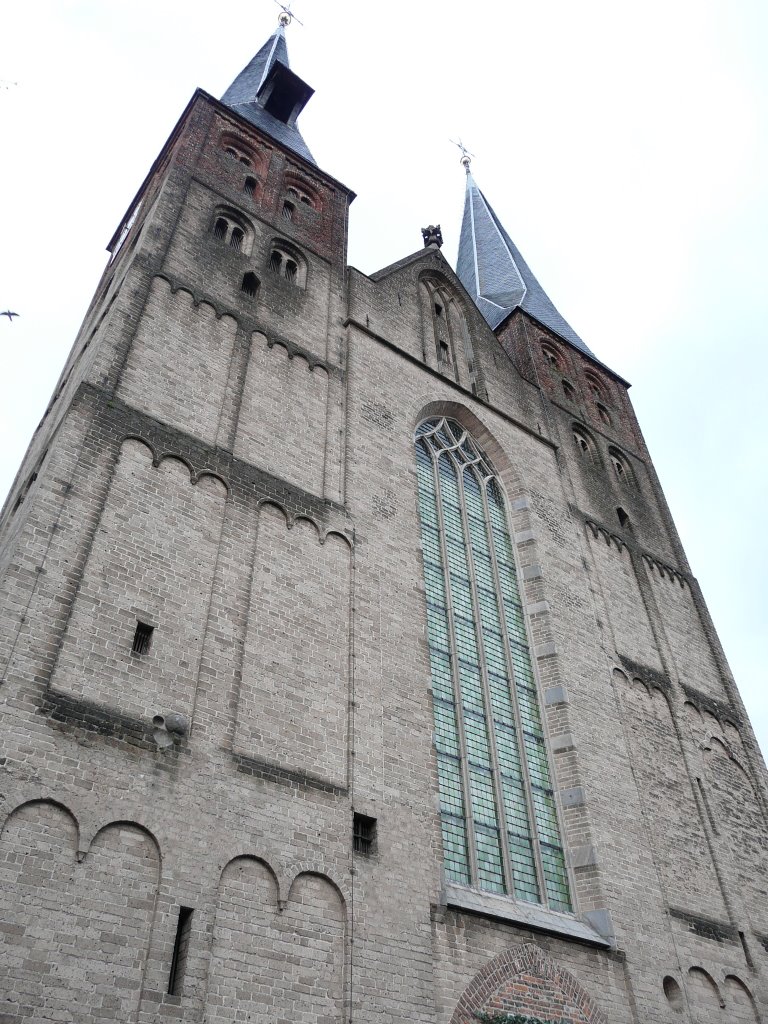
{"x": 620, "y": 466}
{"x": 583, "y": 444}
{"x": 552, "y": 356}
{"x": 250, "y": 285}
{"x": 595, "y": 387}
{"x": 289, "y": 266}
{"x": 249, "y": 187}
{"x": 231, "y": 231}
{"x": 499, "y": 822}
{"x": 288, "y": 209}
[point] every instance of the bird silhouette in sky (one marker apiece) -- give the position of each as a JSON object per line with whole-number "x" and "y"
{"x": 9, "y": 314}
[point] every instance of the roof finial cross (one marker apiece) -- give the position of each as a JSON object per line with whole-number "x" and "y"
{"x": 466, "y": 156}
{"x": 286, "y": 15}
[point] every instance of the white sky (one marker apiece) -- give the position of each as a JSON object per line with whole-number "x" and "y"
{"x": 623, "y": 146}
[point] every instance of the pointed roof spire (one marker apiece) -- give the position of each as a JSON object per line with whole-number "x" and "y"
{"x": 495, "y": 274}
{"x": 268, "y": 94}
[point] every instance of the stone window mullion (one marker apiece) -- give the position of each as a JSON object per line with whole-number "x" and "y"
{"x": 459, "y": 704}
{"x": 528, "y": 787}
{"x": 501, "y": 817}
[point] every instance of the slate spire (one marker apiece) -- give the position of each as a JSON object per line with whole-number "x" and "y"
{"x": 495, "y": 274}
{"x": 268, "y": 94}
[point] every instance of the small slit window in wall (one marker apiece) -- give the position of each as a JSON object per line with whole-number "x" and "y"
{"x": 180, "y": 952}
{"x": 603, "y": 413}
{"x": 364, "y": 834}
{"x": 443, "y": 352}
{"x": 569, "y": 390}
{"x": 288, "y": 210}
{"x": 284, "y": 263}
{"x": 142, "y": 638}
{"x": 249, "y": 186}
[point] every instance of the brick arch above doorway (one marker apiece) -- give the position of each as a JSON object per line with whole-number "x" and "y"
{"x": 525, "y": 980}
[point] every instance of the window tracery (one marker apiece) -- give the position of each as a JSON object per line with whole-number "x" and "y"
{"x": 498, "y": 815}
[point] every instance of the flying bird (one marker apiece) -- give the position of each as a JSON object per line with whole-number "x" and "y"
{"x": 9, "y": 314}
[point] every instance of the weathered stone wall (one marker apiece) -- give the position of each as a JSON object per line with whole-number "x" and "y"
{"x": 239, "y": 473}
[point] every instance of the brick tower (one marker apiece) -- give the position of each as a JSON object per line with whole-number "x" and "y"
{"x": 351, "y": 667}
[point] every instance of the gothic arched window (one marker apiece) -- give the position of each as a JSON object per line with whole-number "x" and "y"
{"x": 498, "y": 814}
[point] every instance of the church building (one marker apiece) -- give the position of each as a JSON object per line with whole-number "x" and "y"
{"x": 351, "y": 667}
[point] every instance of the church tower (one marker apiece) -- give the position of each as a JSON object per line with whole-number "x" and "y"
{"x": 351, "y": 667}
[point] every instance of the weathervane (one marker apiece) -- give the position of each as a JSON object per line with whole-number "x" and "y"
{"x": 287, "y": 15}
{"x": 466, "y": 156}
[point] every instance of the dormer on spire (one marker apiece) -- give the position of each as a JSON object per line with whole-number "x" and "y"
{"x": 495, "y": 274}
{"x": 268, "y": 94}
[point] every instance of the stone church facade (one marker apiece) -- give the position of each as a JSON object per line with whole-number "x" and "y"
{"x": 351, "y": 667}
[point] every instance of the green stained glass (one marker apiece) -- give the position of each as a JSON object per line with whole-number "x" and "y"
{"x": 489, "y": 864}
{"x": 446, "y": 732}
{"x": 497, "y": 805}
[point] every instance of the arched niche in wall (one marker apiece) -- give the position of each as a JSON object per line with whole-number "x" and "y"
{"x": 741, "y": 824}
{"x": 273, "y": 958}
{"x": 447, "y": 343}
{"x": 87, "y": 921}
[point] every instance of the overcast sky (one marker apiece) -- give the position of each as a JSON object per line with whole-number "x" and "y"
{"x": 623, "y": 146}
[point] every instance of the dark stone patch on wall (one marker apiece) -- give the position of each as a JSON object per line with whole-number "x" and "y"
{"x": 85, "y": 715}
{"x": 378, "y": 414}
{"x": 282, "y": 776}
{"x": 75, "y": 712}
{"x": 648, "y": 675}
{"x": 119, "y": 420}
{"x": 705, "y": 927}
{"x": 723, "y": 712}
{"x": 551, "y": 515}
{"x": 384, "y": 505}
